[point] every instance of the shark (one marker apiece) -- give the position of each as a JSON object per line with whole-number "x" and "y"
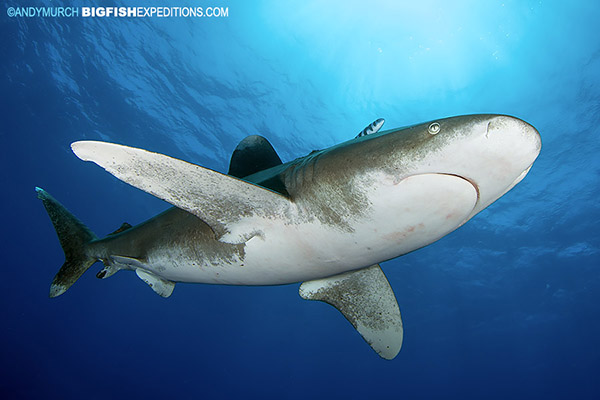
{"x": 326, "y": 220}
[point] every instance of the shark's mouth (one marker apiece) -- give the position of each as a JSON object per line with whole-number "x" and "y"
{"x": 515, "y": 182}
{"x": 477, "y": 201}
{"x": 433, "y": 205}
{"x": 481, "y": 204}
{"x": 472, "y": 182}
{"x": 519, "y": 178}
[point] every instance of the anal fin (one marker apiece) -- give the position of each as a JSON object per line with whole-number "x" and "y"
{"x": 367, "y": 301}
{"x": 162, "y": 287}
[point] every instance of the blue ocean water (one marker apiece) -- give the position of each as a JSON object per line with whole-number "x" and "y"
{"x": 507, "y": 306}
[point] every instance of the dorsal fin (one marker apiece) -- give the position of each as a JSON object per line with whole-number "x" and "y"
{"x": 253, "y": 154}
{"x": 122, "y": 228}
{"x": 373, "y": 127}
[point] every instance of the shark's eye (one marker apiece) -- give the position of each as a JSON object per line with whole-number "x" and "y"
{"x": 434, "y": 128}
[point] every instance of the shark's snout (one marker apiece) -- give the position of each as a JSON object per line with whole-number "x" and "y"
{"x": 517, "y": 131}
{"x": 492, "y": 152}
{"x": 503, "y": 158}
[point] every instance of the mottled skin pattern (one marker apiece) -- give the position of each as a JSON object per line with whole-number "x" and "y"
{"x": 329, "y": 188}
{"x": 176, "y": 233}
{"x": 322, "y": 184}
{"x": 326, "y": 219}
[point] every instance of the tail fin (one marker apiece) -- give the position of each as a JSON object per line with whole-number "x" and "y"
{"x": 74, "y": 237}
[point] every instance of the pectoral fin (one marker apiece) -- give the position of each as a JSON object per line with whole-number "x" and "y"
{"x": 368, "y": 303}
{"x": 217, "y": 199}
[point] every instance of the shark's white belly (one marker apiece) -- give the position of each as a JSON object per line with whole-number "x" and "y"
{"x": 316, "y": 219}
{"x": 399, "y": 218}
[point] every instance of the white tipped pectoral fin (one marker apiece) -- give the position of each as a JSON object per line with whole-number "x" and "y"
{"x": 161, "y": 286}
{"x": 215, "y": 198}
{"x": 367, "y": 301}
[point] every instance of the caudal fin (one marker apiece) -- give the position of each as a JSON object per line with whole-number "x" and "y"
{"x": 74, "y": 237}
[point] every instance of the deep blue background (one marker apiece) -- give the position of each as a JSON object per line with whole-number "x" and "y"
{"x": 505, "y": 307}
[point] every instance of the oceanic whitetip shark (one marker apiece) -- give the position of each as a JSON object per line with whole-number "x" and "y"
{"x": 327, "y": 219}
